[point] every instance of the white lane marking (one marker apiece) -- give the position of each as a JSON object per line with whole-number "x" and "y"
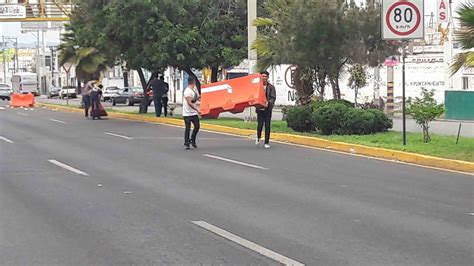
{"x": 67, "y": 167}
{"x": 117, "y": 135}
{"x": 471, "y": 213}
{"x": 247, "y": 244}
{"x": 23, "y": 114}
{"x": 234, "y": 161}
{"x": 2, "y": 108}
{"x": 57, "y": 121}
{"x": 6, "y": 140}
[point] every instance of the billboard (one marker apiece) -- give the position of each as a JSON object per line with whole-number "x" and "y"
{"x": 12, "y": 11}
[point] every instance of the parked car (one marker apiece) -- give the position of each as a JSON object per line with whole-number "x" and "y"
{"x": 5, "y": 92}
{"x": 129, "y": 96}
{"x": 53, "y": 92}
{"x": 68, "y": 92}
{"x": 110, "y": 92}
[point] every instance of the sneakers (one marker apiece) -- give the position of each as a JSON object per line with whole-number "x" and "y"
{"x": 186, "y": 147}
{"x": 193, "y": 143}
{"x": 257, "y": 141}
{"x": 267, "y": 146}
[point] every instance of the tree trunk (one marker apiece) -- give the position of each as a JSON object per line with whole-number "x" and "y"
{"x": 215, "y": 71}
{"x": 304, "y": 85}
{"x": 356, "y": 92}
{"x": 336, "y": 91}
{"x": 144, "y": 104}
{"x": 426, "y": 134}
{"x": 79, "y": 91}
{"x": 191, "y": 74}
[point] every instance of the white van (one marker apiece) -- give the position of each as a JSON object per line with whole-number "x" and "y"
{"x": 25, "y": 82}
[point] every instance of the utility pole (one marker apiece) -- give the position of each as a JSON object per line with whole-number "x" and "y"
{"x": 252, "y": 36}
{"x": 4, "y": 60}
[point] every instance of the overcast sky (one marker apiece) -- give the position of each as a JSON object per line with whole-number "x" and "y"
{"x": 14, "y": 29}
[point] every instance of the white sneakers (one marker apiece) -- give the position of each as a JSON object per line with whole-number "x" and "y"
{"x": 257, "y": 143}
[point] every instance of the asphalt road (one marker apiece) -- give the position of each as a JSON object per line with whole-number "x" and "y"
{"x": 115, "y": 192}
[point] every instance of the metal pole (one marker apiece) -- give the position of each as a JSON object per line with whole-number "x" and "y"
{"x": 403, "y": 97}
{"x": 459, "y": 133}
{"x": 16, "y": 52}
{"x": 38, "y": 65}
{"x": 4, "y": 60}
{"x": 252, "y": 36}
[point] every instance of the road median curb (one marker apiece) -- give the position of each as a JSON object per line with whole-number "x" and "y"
{"x": 407, "y": 157}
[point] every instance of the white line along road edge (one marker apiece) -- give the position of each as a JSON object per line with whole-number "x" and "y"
{"x": 6, "y": 140}
{"x": 57, "y": 121}
{"x": 23, "y": 114}
{"x": 117, "y": 135}
{"x": 67, "y": 167}
{"x": 247, "y": 244}
{"x": 233, "y": 161}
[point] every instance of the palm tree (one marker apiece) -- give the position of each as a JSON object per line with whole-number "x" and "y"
{"x": 89, "y": 62}
{"x": 466, "y": 36}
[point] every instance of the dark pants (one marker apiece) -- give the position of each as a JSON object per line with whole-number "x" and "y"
{"x": 95, "y": 102}
{"x": 86, "y": 99}
{"x": 164, "y": 101}
{"x": 264, "y": 117}
{"x": 157, "y": 102}
{"x": 187, "y": 121}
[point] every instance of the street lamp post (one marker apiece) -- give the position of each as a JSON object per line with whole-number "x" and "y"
{"x": 251, "y": 36}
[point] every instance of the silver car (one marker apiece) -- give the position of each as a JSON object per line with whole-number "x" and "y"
{"x": 5, "y": 92}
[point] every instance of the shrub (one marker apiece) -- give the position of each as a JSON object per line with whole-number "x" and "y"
{"x": 381, "y": 122}
{"x": 357, "y": 122}
{"x": 299, "y": 118}
{"x": 328, "y": 118}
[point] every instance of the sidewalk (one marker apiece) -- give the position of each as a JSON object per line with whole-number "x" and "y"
{"x": 440, "y": 127}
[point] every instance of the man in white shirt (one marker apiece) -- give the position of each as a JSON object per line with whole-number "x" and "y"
{"x": 191, "y": 113}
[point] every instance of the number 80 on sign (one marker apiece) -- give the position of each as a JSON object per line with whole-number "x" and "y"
{"x": 402, "y": 19}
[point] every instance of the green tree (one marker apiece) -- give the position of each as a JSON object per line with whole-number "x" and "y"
{"x": 320, "y": 37}
{"x": 466, "y": 36}
{"x": 357, "y": 80}
{"x": 88, "y": 61}
{"x": 424, "y": 109}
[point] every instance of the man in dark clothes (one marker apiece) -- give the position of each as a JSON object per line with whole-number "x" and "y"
{"x": 159, "y": 87}
{"x": 264, "y": 115}
{"x": 164, "y": 99}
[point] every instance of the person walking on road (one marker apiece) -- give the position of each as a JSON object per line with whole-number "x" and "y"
{"x": 164, "y": 98}
{"x": 159, "y": 87}
{"x": 264, "y": 114}
{"x": 86, "y": 96}
{"x": 191, "y": 113}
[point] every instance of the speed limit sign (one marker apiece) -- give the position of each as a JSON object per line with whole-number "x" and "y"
{"x": 402, "y": 19}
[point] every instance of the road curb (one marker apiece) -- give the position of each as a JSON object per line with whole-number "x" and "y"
{"x": 407, "y": 157}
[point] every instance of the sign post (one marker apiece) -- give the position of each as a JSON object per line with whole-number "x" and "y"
{"x": 403, "y": 20}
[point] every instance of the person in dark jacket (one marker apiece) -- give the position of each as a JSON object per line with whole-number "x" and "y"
{"x": 264, "y": 114}
{"x": 164, "y": 98}
{"x": 159, "y": 88}
{"x": 96, "y": 95}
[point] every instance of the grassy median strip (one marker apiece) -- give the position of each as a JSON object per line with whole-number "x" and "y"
{"x": 440, "y": 146}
